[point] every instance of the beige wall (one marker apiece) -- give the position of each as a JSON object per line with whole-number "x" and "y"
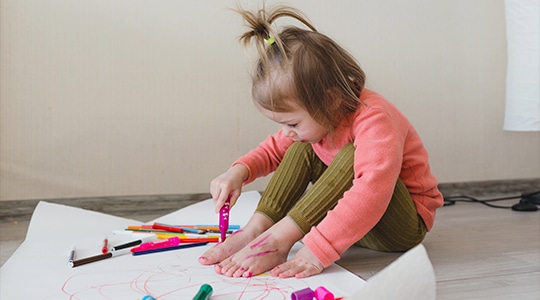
{"x": 129, "y": 97}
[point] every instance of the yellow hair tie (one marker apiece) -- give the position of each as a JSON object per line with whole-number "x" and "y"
{"x": 269, "y": 41}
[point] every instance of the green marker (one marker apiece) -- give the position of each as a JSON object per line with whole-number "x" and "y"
{"x": 204, "y": 292}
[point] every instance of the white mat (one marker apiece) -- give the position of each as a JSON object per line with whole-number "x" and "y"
{"x": 39, "y": 268}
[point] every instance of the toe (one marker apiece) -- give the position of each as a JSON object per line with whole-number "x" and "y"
{"x": 217, "y": 269}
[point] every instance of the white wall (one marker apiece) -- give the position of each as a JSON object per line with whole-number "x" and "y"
{"x": 129, "y": 97}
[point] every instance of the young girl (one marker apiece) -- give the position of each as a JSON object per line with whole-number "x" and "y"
{"x": 371, "y": 180}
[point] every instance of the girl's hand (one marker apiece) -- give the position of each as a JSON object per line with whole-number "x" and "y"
{"x": 228, "y": 183}
{"x": 304, "y": 264}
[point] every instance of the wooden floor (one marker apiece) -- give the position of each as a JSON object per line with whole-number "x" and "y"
{"x": 477, "y": 252}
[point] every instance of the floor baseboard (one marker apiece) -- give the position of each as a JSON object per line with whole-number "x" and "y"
{"x": 490, "y": 188}
{"x": 21, "y": 210}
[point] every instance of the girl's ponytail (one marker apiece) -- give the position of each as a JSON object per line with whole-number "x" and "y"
{"x": 262, "y": 32}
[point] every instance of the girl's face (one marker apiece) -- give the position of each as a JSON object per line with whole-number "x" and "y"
{"x": 297, "y": 124}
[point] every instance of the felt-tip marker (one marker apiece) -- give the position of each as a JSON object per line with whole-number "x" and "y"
{"x": 71, "y": 255}
{"x": 134, "y": 243}
{"x": 204, "y": 293}
{"x": 105, "y": 248}
{"x": 174, "y": 241}
{"x": 167, "y": 227}
{"x": 213, "y": 227}
{"x": 163, "y": 249}
{"x": 90, "y": 259}
{"x": 304, "y": 294}
{"x": 194, "y": 230}
{"x": 323, "y": 294}
{"x": 224, "y": 218}
{"x": 185, "y": 239}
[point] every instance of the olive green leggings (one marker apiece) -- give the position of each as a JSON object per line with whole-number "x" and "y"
{"x": 399, "y": 229}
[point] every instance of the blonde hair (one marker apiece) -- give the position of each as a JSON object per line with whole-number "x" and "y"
{"x": 303, "y": 65}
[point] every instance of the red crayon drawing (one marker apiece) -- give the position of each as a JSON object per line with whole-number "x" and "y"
{"x": 175, "y": 278}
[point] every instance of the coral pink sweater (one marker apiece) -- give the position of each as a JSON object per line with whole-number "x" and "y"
{"x": 386, "y": 147}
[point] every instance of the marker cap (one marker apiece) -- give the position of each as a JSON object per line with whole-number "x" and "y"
{"x": 204, "y": 292}
{"x": 321, "y": 293}
{"x": 305, "y": 294}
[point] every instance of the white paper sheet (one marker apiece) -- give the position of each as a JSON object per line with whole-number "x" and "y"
{"x": 410, "y": 277}
{"x": 39, "y": 268}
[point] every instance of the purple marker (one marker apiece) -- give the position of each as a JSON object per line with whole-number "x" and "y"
{"x": 224, "y": 219}
{"x": 305, "y": 294}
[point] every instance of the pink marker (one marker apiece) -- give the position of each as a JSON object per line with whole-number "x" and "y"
{"x": 170, "y": 242}
{"x": 224, "y": 218}
{"x": 321, "y": 293}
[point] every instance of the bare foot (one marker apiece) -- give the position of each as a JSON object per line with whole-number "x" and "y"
{"x": 264, "y": 253}
{"x": 236, "y": 241}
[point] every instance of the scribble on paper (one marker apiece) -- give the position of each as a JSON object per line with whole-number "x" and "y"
{"x": 175, "y": 278}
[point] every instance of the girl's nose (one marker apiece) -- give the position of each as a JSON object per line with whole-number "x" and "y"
{"x": 288, "y": 132}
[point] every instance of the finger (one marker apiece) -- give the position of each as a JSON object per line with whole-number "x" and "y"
{"x": 287, "y": 274}
{"x": 282, "y": 271}
{"x": 217, "y": 205}
{"x": 219, "y": 199}
{"x": 215, "y": 191}
{"x": 219, "y": 190}
{"x": 308, "y": 272}
{"x": 234, "y": 195}
{"x": 276, "y": 271}
{"x": 223, "y": 198}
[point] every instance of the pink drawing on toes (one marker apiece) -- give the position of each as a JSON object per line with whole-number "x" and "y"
{"x": 237, "y": 232}
{"x": 259, "y": 243}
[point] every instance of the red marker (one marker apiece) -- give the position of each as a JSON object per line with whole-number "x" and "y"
{"x": 105, "y": 247}
{"x": 199, "y": 240}
{"x": 167, "y": 227}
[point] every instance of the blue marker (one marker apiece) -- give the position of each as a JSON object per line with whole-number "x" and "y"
{"x": 204, "y": 292}
{"x": 148, "y": 297}
{"x": 181, "y": 246}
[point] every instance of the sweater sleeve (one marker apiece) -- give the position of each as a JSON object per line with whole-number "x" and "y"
{"x": 379, "y": 137}
{"x": 266, "y": 157}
